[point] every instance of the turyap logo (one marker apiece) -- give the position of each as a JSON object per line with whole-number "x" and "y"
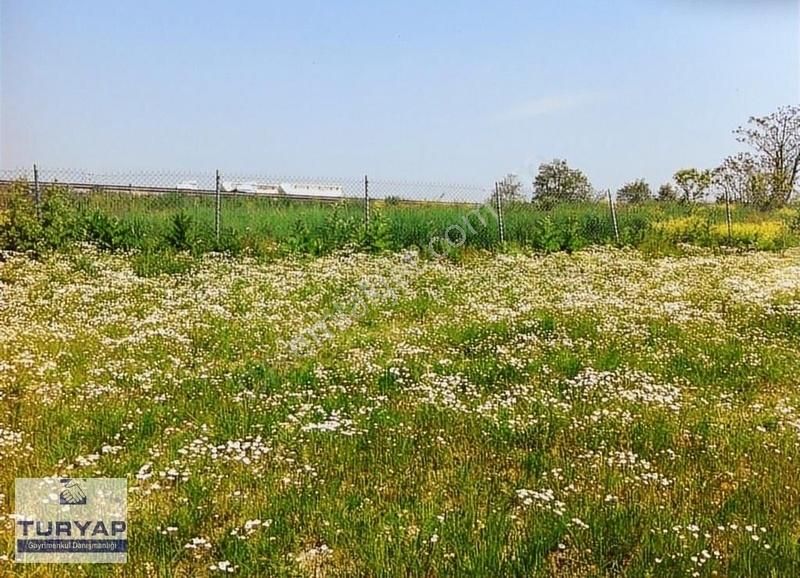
{"x": 80, "y": 520}
{"x": 72, "y": 494}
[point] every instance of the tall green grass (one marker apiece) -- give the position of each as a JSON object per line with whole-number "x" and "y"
{"x": 120, "y": 221}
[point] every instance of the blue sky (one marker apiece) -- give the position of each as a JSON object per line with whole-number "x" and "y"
{"x": 447, "y": 91}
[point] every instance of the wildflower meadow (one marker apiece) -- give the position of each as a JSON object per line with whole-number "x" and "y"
{"x": 600, "y": 413}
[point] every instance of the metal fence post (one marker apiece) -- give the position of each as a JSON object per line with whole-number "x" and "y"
{"x": 366, "y": 202}
{"x": 217, "y": 201}
{"x": 500, "y": 224}
{"x": 613, "y": 215}
{"x": 36, "y": 194}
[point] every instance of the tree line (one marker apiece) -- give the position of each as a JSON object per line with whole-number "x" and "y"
{"x": 766, "y": 176}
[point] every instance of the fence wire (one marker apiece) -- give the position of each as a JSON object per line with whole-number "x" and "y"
{"x": 257, "y": 184}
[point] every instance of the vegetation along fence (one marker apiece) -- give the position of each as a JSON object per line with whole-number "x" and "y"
{"x": 45, "y": 209}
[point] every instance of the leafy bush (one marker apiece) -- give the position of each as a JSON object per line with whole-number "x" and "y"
{"x": 303, "y": 240}
{"x": 111, "y": 233}
{"x": 181, "y": 235}
{"x": 59, "y": 218}
{"x": 548, "y": 236}
{"x": 21, "y": 228}
{"x": 633, "y": 229}
{"x": 342, "y": 229}
{"x": 377, "y": 236}
{"x": 28, "y": 227}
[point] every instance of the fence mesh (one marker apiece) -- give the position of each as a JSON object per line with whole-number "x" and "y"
{"x": 259, "y": 184}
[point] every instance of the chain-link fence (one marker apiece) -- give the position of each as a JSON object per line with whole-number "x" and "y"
{"x": 390, "y": 213}
{"x": 261, "y": 205}
{"x": 255, "y": 184}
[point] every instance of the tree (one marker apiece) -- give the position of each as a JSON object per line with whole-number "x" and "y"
{"x": 556, "y": 183}
{"x": 510, "y": 189}
{"x": 635, "y": 192}
{"x": 692, "y": 183}
{"x": 775, "y": 139}
{"x": 738, "y": 178}
{"x": 667, "y": 193}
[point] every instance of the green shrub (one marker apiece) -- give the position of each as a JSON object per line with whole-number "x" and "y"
{"x": 303, "y": 240}
{"x": 342, "y": 228}
{"x": 60, "y": 221}
{"x": 548, "y": 237}
{"x": 21, "y": 226}
{"x": 53, "y": 224}
{"x": 377, "y": 236}
{"x": 181, "y": 235}
{"x": 111, "y": 233}
{"x": 633, "y": 229}
{"x": 573, "y": 239}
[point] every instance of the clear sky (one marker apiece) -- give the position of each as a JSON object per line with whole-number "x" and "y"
{"x": 418, "y": 90}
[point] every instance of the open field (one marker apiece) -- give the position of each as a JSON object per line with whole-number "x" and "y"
{"x": 592, "y": 414}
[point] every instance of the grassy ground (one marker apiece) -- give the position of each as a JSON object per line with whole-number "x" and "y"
{"x": 594, "y": 414}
